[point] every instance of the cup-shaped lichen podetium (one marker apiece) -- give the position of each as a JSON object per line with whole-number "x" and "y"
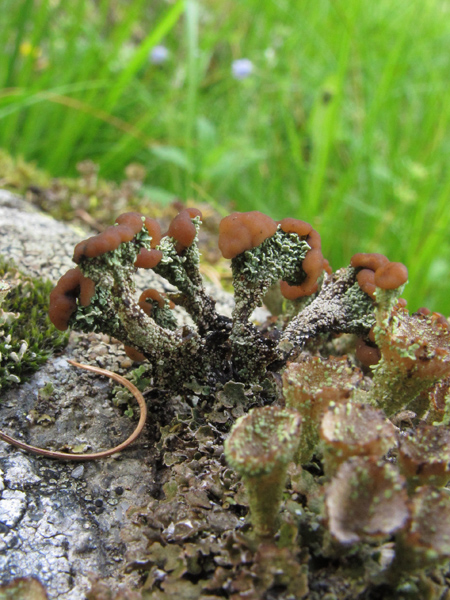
{"x": 354, "y": 430}
{"x": 439, "y": 399}
{"x": 309, "y": 386}
{"x": 260, "y": 447}
{"x": 415, "y": 354}
{"x": 426, "y": 539}
{"x": 365, "y": 501}
{"x": 424, "y": 456}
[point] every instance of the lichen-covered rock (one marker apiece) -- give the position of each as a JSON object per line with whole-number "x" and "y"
{"x": 169, "y": 517}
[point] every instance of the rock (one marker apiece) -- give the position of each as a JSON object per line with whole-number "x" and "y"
{"x": 68, "y": 524}
{"x": 52, "y": 525}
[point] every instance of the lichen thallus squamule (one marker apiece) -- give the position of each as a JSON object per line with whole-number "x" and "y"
{"x": 331, "y": 407}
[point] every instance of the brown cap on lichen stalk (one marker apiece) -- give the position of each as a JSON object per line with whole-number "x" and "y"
{"x": 375, "y": 270}
{"x": 134, "y": 354}
{"x": 148, "y": 259}
{"x": 182, "y": 229}
{"x": 153, "y": 295}
{"x": 367, "y": 264}
{"x": 63, "y": 298}
{"x": 260, "y": 447}
{"x": 367, "y": 353}
{"x": 366, "y": 350}
{"x": 126, "y": 227}
{"x": 366, "y": 260}
{"x": 391, "y": 276}
{"x": 313, "y": 264}
{"x": 239, "y": 232}
{"x": 159, "y": 307}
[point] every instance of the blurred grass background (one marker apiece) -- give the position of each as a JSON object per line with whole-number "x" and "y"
{"x": 344, "y": 121}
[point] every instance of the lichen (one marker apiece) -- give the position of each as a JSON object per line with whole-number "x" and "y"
{"x": 238, "y": 510}
{"x": 260, "y": 446}
{"x": 415, "y": 355}
{"x": 217, "y": 345}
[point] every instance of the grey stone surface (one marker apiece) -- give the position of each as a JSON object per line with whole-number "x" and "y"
{"x": 40, "y": 245}
{"x": 62, "y": 521}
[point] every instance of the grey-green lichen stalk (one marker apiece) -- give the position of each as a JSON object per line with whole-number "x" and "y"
{"x": 115, "y": 310}
{"x": 100, "y": 295}
{"x": 254, "y": 271}
{"x": 340, "y": 307}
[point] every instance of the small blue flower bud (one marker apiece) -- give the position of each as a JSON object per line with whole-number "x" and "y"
{"x": 242, "y": 68}
{"x": 158, "y": 55}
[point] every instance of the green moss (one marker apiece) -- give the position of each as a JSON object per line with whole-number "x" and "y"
{"x": 26, "y": 341}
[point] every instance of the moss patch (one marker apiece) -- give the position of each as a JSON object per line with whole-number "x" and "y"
{"x": 27, "y": 340}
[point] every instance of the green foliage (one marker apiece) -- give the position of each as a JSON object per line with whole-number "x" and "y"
{"x": 343, "y": 122}
{"x": 29, "y": 339}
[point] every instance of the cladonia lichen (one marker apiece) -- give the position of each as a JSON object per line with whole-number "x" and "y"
{"x": 335, "y": 488}
{"x": 217, "y": 347}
